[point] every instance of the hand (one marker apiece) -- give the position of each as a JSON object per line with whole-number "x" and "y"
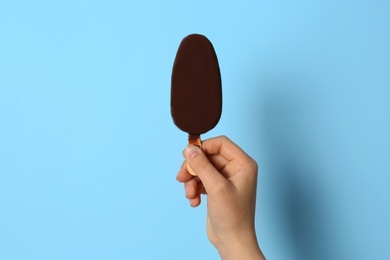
{"x": 229, "y": 178}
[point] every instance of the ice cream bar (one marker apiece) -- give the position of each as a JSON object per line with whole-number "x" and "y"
{"x": 196, "y": 88}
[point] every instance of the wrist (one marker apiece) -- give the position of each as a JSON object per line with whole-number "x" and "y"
{"x": 240, "y": 247}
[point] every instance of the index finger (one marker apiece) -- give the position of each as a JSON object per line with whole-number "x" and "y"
{"x": 223, "y": 146}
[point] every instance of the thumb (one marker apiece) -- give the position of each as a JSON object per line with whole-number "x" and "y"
{"x": 203, "y": 168}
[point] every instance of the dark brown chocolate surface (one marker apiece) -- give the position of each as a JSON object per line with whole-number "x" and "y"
{"x": 196, "y": 89}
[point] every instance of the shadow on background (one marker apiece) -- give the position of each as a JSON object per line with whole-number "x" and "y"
{"x": 294, "y": 178}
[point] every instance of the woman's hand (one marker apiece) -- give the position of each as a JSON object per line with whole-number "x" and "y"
{"x": 229, "y": 178}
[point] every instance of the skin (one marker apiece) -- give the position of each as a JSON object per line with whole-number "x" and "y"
{"x": 229, "y": 178}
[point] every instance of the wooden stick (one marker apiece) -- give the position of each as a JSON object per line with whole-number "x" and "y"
{"x": 194, "y": 140}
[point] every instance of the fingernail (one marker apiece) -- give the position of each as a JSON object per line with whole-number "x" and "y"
{"x": 190, "y": 151}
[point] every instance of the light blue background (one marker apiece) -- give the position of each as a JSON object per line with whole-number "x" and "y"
{"x": 89, "y": 153}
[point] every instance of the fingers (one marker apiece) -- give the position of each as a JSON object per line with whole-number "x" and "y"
{"x": 220, "y": 151}
{"x": 195, "y": 202}
{"x": 201, "y": 165}
{"x": 218, "y": 161}
{"x": 193, "y": 190}
{"x": 215, "y": 163}
{"x": 223, "y": 146}
{"x": 192, "y": 185}
{"x": 227, "y": 157}
{"x": 210, "y": 161}
{"x": 183, "y": 175}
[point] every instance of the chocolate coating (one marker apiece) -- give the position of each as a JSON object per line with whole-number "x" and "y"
{"x": 196, "y": 88}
